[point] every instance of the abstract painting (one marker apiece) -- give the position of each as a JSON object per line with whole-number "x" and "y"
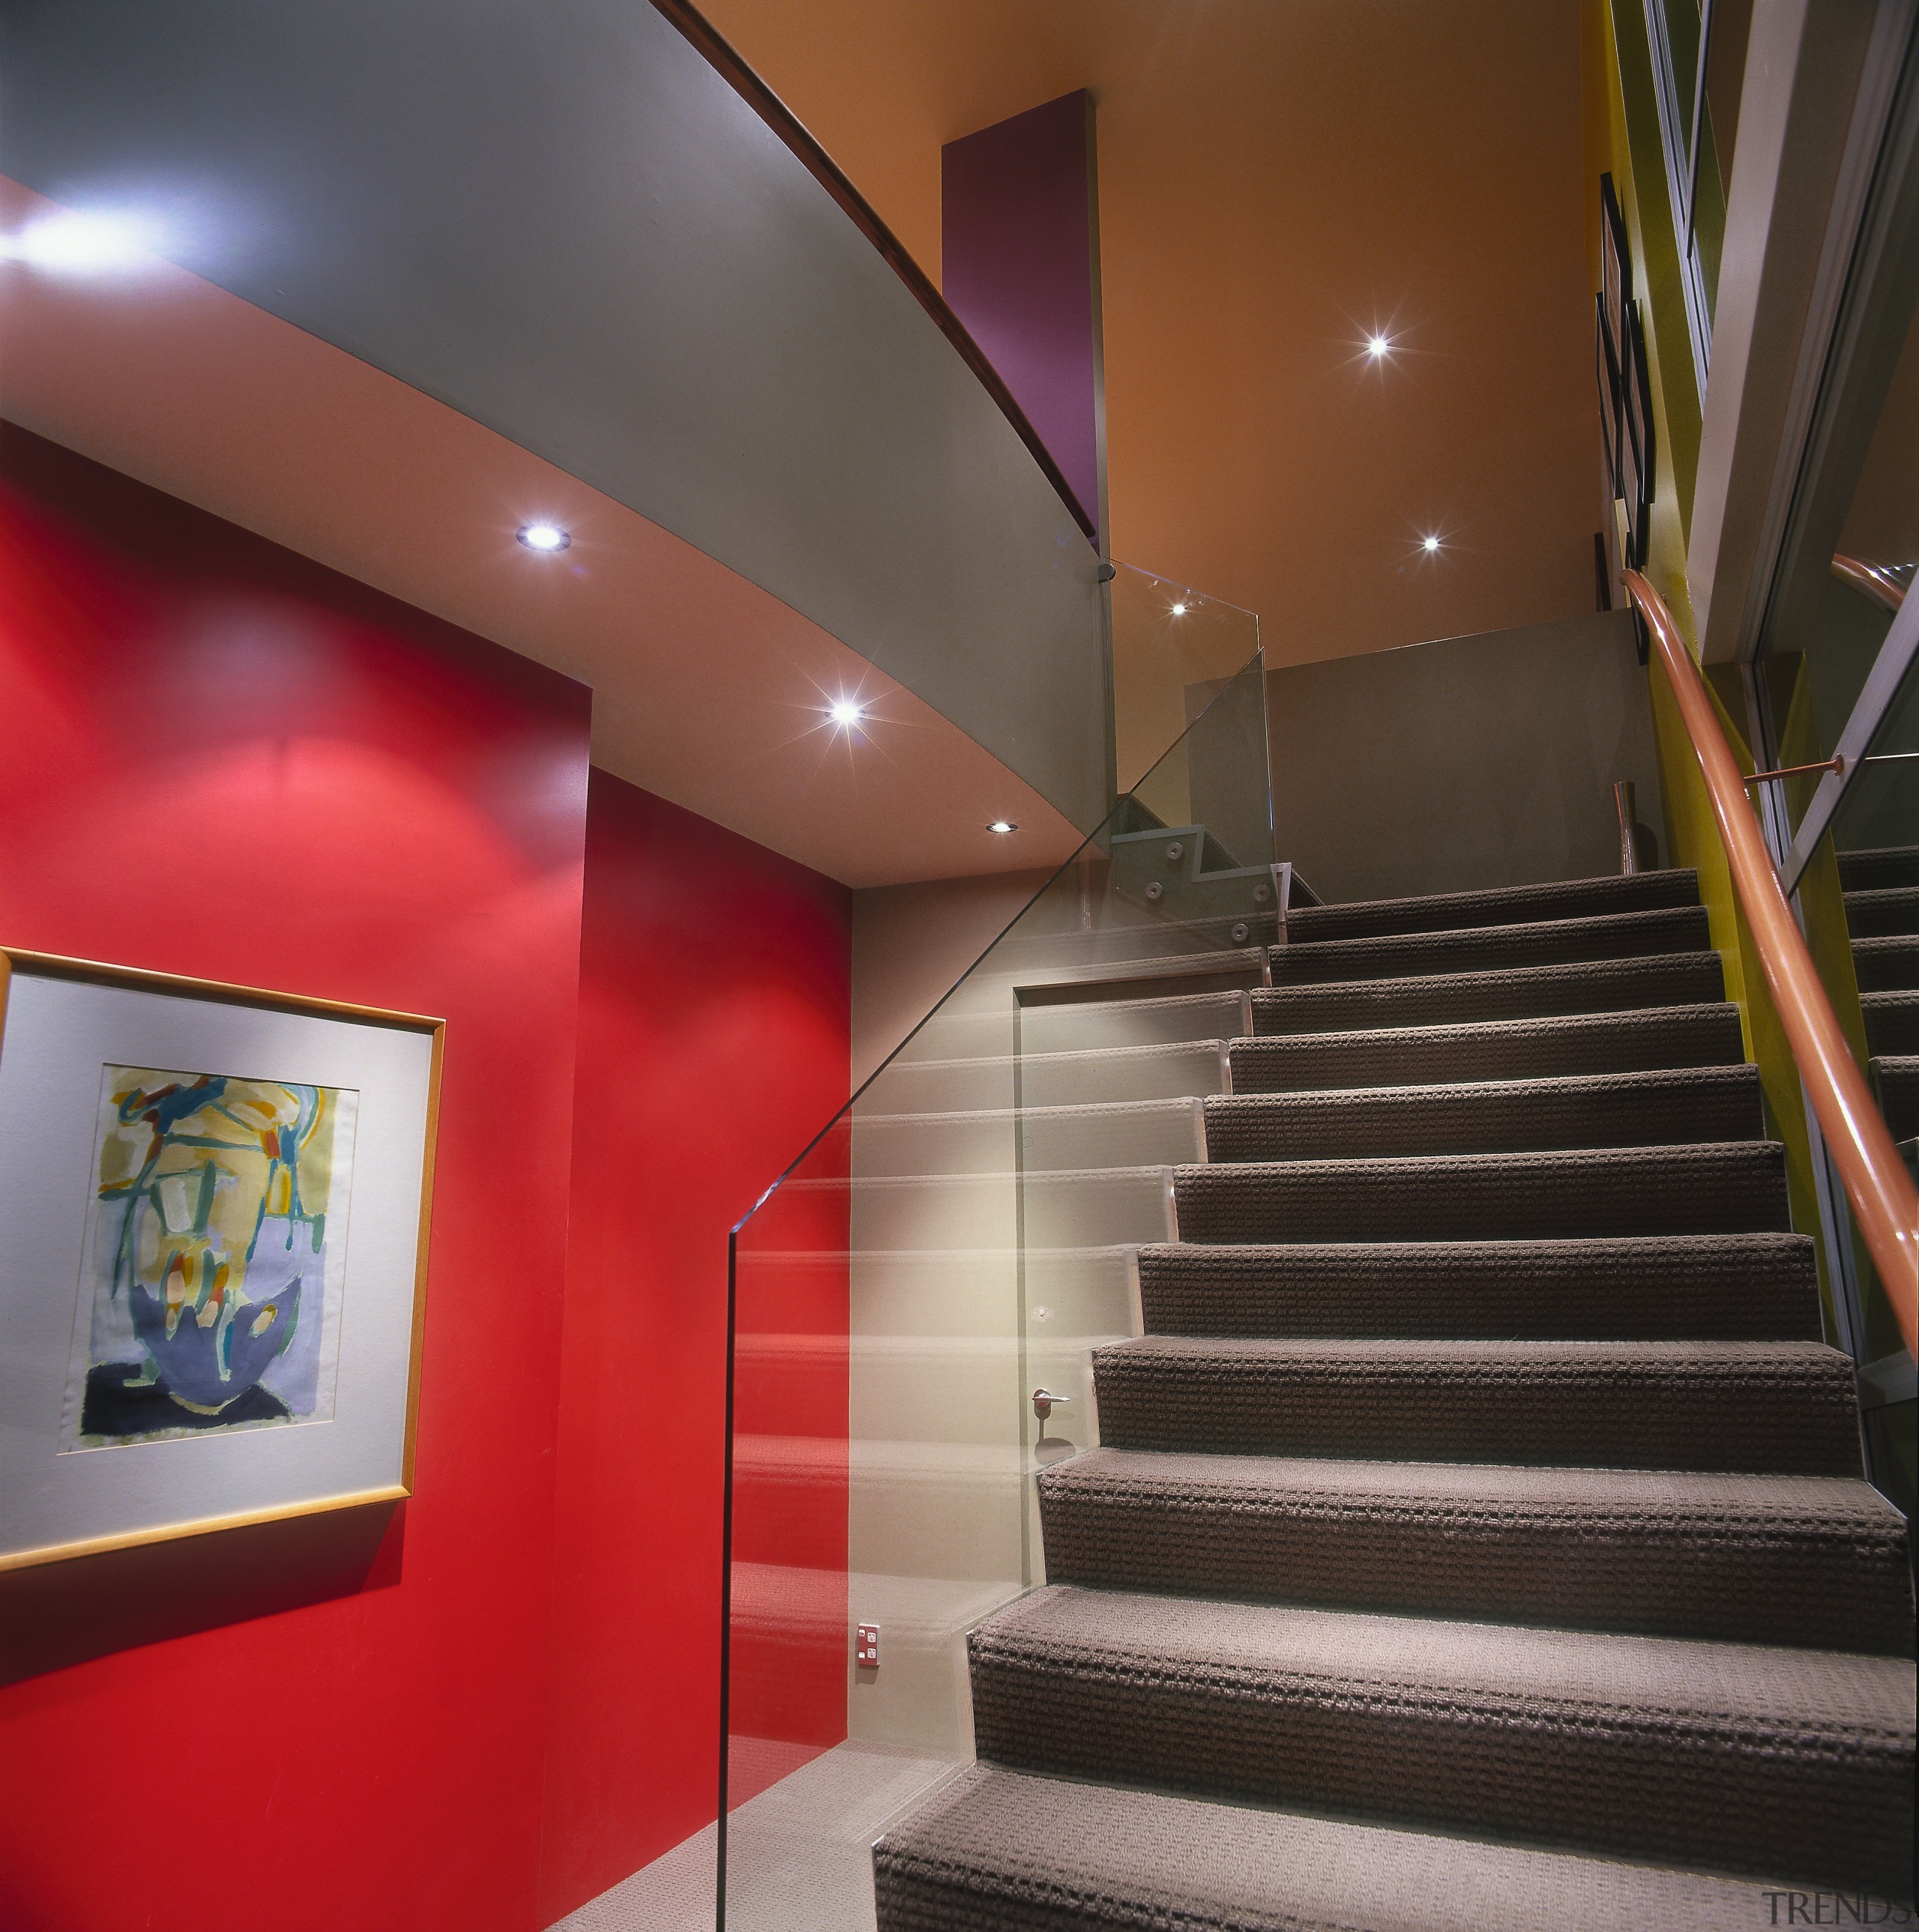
{"x": 210, "y": 1277}
{"x": 217, "y": 1201}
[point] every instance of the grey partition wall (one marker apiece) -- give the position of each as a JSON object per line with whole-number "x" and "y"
{"x": 1469, "y": 762}
{"x": 561, "y": 221}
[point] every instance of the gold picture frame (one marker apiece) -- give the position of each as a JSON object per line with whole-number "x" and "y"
{"x": 403, "y": 1050}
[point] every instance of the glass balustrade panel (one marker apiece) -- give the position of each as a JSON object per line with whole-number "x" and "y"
{"x": 962, "y": 1232}
{"x": 1859, "y": 900}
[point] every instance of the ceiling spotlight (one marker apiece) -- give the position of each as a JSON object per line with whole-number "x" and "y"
{"x": 1429, "y": 544}
{"x": 1002, "y": 825}
{"x": 1377, "y": 346}
{"x": 846, "y": 713}
{"x": 544, "y": 537}
{"x": 1179, "y": 610}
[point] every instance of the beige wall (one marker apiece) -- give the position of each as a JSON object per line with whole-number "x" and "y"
{"x": 1276, "y": 177}
{"x": 912, "y": 944}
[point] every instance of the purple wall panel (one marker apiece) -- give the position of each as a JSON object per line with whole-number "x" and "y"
{"x": 1020, "y": 267}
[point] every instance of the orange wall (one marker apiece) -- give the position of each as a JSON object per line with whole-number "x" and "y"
{"x": 1275, "y": 176}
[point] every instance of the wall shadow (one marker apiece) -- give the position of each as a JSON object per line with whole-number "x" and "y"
{"x": 59, "y": 1614}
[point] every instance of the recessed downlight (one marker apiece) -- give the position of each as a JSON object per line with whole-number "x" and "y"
{"x": 1429, "y": 544}
{"x": 1179, "y": 610}
{"x": 1378, "y": 346}
{"x": 1002, "y": 826}
{"x": 846, "y": 712}
{"x": 545, "y": 537}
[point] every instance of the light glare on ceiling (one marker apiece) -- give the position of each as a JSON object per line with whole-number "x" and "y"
{"x": 544, "y": 537}
{"x": 846, "y": 713}
{"x": 1179, "y": 610}
{"x": 1429, "y": 544}
{"x": 1377, "y": 346}
{"x": 77, "y": 242}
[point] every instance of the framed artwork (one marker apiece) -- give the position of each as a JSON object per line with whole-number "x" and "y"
{"x": 1615, "y": 269}
{"x": 214, "y": 1202}
{"x": 1606, "y": 375}
{"x": 1636, "y": 441}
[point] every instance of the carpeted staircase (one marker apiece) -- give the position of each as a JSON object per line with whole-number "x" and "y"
{"x": 1477, "y": 1537}
{"x": 1881, "y": 889}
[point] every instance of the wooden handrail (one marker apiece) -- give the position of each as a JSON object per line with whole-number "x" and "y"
{"x": 726, "y": 61}
{"x": 1877, "y": 1183}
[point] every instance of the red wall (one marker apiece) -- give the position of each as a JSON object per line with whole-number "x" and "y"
{"x": 219, "y": 759}
{"x": 360, "y": 1720}
{"x": 715, "y": 1011}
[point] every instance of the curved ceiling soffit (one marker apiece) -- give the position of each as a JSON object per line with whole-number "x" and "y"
{"x": 564, "y": 224}
{"x": 708, "y": 690}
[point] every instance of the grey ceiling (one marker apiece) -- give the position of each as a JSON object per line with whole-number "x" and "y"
{"x": 553, "y": 216}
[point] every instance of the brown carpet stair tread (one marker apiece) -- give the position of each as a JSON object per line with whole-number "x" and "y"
{"x": 1001, "y": 1851}
{"x": 1651, "y": 1039}
{"x": 1759, "y": 1407}
{"x": 1735, "y": 1187}
{"x": 1815, "y": 1561}
{"x": 1888, "y": 965}
{"x": 1571, "y": 988}
{"x": 1875, "y": 866}
{"x": 1750, "y": 1757}
{"x": 1627, "y": 935}
{"x": 1896, "y": 1078}
{"x": 1501, "y": 905}
{"x": 1675, "y": 1287}
{"x": 1585, "y": 1111}
{"x": 1883, "y": 913}
{"x": 1892, "y": 1022}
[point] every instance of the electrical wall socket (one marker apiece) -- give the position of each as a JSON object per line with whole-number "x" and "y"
{"x": 866, "y": 1645}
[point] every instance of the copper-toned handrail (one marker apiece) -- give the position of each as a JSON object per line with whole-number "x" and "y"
{"x": 1876, "y": 1182}
{"x": 727, "y": 61}
{"x": 1874, "y": 579}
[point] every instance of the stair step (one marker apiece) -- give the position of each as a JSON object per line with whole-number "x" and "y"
{"x": 1588, "y": 1110}
{"x": 1101, "y": 1134}
{"x": 959, "y": 1032}
{"x": 1162, "y": 1020}
{"x": 1654, "y": 1037}
{"x": 1002, "y": 1851}
{"x": 1737, "y": 1187}
{"x": 1889, "y": 965}
{"x": 1581, "y": 987}
{"x": 1808, "y": 1560}
{"x": 1672, "y": 1287}
{"x": 1896, "y": 1078}
{"x": 1892, "y": 1022}
{"x": 1037, "y": 951}
{"x": 969, "y": 1212}
{"x": 1787, "y": 1407}
{"x": 1071, "y": 1079}
{"x": 1185, "y": 970}
{"x": 1628, "y": 935}
{"x": 1503, "y": 905}
{"x": 1787, "y": 1763}
{"x": 1884, "y": 913}
{"x": 1876, "y": 867}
